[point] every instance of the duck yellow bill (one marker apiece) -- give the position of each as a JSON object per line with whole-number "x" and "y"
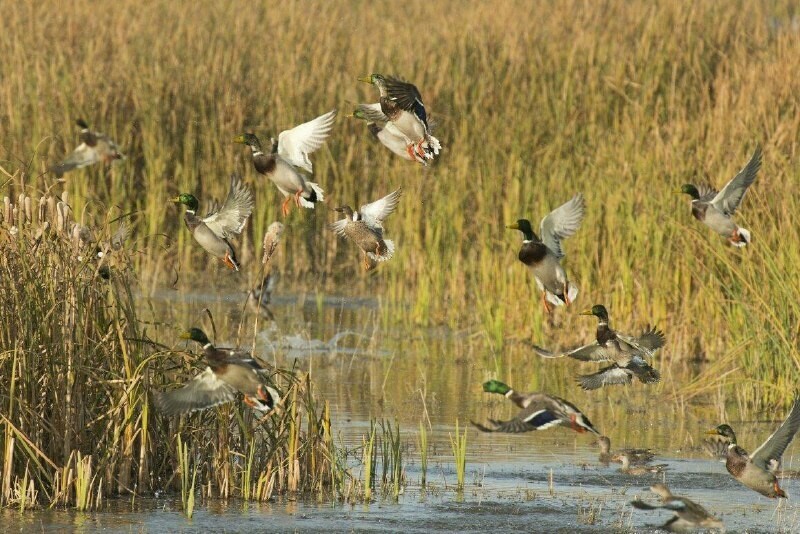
{"x": 176, "y": 200}
{"x": 514, "y": 226}
{"x": 365, "y": 79}
{"x": 185, "y": 335}
{"x": 238, "y": 139}
{"x": 678, "y": 190}
{"x": 712, "y": 432}
{"x": 586, "y": 312}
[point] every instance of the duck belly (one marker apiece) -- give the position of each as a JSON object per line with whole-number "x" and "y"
{"x": 410, "y": 126}
{"x": 719, "y": 222}
{"x": 242, "y": 379}
{"x": 214, "y": 245}
{"x": 288, "y": 179}
{"x": 550, "y": 275}
{"x": 394, "y": 141}
{"x": 363, "y": 236}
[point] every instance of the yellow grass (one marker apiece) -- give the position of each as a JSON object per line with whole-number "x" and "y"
{"x": 534, "y": 101}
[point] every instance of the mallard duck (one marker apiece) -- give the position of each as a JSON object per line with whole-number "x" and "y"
{"x": 639, "y": 470}
{"x": 378, "y": 126}
{"x": 635, "y": 456}
{"x": 229, "y": 371}
{"x": 539, "y": 411}
{"x": 628, "y": 354}
{"x": 688, "y": 514}
{"x": 365, "y": 228}
{"x": 758, "y": 471}
{"x": 401, "y": 104}
{"x": 94, "y": 147}
{"x": 287, "y": 160}
{"x": 543, "y": 255}
{"x": 220, "y": 224}
{"x": 716, "y": 209}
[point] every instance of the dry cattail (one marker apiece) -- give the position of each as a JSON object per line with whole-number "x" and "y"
{"x": 62, "y": 217}
{"x": 28, "y": 210}
{"x": 51, "y": 210}
{"x": 42, "y": 211}
{"x": 271, "y": 240}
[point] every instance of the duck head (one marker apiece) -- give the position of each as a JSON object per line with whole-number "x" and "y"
{"x": 495, "y": 386}
{"x": 190, "y": 201}
{"x": 599, "y": 311}
{"x": 524, "y": 226}
{"x": 195, "y": 334}
{"x": 689, "y": 189}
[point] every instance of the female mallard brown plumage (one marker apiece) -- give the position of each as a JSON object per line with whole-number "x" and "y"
{"x": 213, "y": 231}
{"x": 95, "y": 147}
{"x": 689, "y": 515}
{"x": 635, "y": 456}
{"x": 365, "y": 228}
{"x": 716, "y": 210}
{"x": 628, "y": 354}
{"x": 401, "y": 104}
{"x": 758, "y": 471}
{"x": 229, "y": 371}
{"x": 638, "y": 470}
{"x": 539, "y": 411}
{"x": 287, "y": 160}
{"x": 543, "y": 254}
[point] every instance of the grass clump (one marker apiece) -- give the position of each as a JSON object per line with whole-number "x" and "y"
{"x": 623, "y": 101}
{"x": 458, "y": 443}
{"x": 79, "y": 364}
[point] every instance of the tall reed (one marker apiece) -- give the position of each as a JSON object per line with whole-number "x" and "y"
{"x": 623, "y": 101}
{"x": 422, "y": 438}
{"x": 187, "y": 481}
{"x": 79, "y": 365}
{"x": 458, "y": 443}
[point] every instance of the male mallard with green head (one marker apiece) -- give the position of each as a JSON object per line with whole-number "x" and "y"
{"x": 401, "y": 104}
{"x": 365, "y": 228}
{"x": 287, "y": 160}
{"x": 229, "y": 371}
{"x": 539, "y": 411}
{"x": 543, "y": 254}
{"x": 758, "y": 471}
{"x": 628, "y": 354}
{"x": 689, "y": 515}
{"x": 378, "y": 125}
{"x": 716, "y": 210}
{"x": 94, "y": 147}
{"x": 213, "y": 231}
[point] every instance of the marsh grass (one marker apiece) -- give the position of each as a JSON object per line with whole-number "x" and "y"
{"x": 369, "y": 461}
{"x": 188, "y": 478}
{"x": 458, "y": 443}
{"x": 79, "y": 365}
{"x": 422, "y": 442}
{"x": 392, "y": 459}
{"x": 623, "y": 101}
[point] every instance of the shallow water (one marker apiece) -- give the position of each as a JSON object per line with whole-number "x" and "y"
{"x": 549, "y": 481}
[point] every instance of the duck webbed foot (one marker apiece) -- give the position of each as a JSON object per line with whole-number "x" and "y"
{"x": 229, "y": 262}
{"x": 547, "y": 306}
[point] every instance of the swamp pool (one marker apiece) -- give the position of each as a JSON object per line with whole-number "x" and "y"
{"x": 547, "y": 481}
